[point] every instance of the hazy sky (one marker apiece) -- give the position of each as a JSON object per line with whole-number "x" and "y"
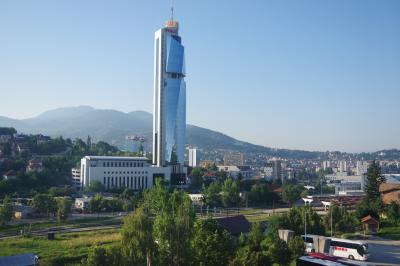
{"x": 313, "y": 75}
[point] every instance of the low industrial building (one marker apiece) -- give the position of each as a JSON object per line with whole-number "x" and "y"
{"x": 119, "y": 172}
{"x": 82, "y": 203}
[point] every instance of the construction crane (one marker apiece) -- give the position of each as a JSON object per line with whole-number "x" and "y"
{"x": 137, "y": 139}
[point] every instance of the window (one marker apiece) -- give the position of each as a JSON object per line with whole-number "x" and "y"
{"x": 134, "y": 164}
{"x": 108, "y": 164}
{"x": 104, "y": 180}
{"x": 146, "y": 182}
{"x": 130, "y": 164}
{"x": 104, "y": 164}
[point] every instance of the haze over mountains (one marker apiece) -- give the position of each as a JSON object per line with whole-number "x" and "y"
{"x": 113, "y": 126}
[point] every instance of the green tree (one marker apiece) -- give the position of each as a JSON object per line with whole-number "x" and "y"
{"x": 342, "y": 220}
{"x": 291, "y": 193}
{"x": 230, "y": 193}
{"x": 44, "y": 204}
{"x": 393, "y": 213}
{"x": 63, "y": 209}
{"x": 279, "y": 252}
{"x": 97, "y": 203}
{"x": 247, "y": 257}
{"x": 211, "y": 244}
{"x": 137, "y": 238}
{"x": 96, "y": 187}
{"x": 96, "y": 257}
{"x": 6, "y": 211}
{"x": 100, "y": 256}
{"x": 296, "y": 247}
{"x": 197, "y": 178}
{"x": 368, "y": 207}
{"x": 212, "y": 195}
{"x": 374, "y": 180}
{"x": 256, "y": 236}
{"x": 173, "y": 228}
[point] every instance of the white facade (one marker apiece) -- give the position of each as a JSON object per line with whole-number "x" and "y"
{"x": 193, "y": 157}
{"x": 120, "y": 172}
{"x": 76, "y": 177}
{"x": 362, "y": 167}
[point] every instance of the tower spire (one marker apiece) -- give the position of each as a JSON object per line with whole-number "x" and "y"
{"x": 172, "y": 10}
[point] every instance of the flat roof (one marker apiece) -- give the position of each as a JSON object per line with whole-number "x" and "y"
{"x": 116, "y": 158}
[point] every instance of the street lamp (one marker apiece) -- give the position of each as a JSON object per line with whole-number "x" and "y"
{"x": 308, "y": 200}
{"x": 329, "y": 203}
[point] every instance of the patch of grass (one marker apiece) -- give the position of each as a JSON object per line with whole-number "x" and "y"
{"x": 90, "y": 221}
{"x": 69, "y": 248}
{"x": 390, "y": 232}
{"x": 262, "y": 217}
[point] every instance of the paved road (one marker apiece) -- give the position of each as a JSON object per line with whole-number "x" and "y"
{"x": 383, "y": 252}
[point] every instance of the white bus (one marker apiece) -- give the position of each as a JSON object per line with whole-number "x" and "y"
{"x": 354, "y": 250}
{"x": 344, "y": 248}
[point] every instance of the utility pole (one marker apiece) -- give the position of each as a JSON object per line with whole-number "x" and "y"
{"x": 330, "y": 208}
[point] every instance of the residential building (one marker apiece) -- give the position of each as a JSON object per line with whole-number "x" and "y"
{"x": 206, "y": 163}
{"x": 361, "y": 167}
{"x": 169, "y": 114}
{"x": 235, "y": 171}
{"x": 277, "y": 170}
{"x": 234, "y": 159}
{"x": 120, "y": 172}
{"x": 34, "y": 165}
{"x": 22, "y": 147}
{"x": 193, "y": 157}
{"x": 342, "y": 166}
{"x": 10, "y": 175}
{"x": 326, "y": 165}
{"x": 268, "y": 172}
{"x": 76, "y": 177}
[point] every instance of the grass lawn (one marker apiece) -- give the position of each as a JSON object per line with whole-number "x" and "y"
{"x": 91, "y": 221}
{"x": 261, "y": 217}
{"x": 390, "y": 232}
{"x": 65, "y": 248}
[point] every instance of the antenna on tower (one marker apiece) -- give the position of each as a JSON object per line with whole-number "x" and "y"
{"x": 172, "y": 10}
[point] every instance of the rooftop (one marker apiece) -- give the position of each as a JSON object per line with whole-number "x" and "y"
{"x": 116, "y": 158}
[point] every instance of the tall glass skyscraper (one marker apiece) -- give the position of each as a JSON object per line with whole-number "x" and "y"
{"x": 169, "y": 115}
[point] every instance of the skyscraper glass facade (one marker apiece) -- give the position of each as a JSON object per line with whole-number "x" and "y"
{"x": 169, "y": 124}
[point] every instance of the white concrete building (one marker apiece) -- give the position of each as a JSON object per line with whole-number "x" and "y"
{"x": 197, "y": 199}
{"x": 193, "y": 157}
{"x": 119, "y": 172}
{"x": 76, "y": 177}
{"x": 362, "y": 167}
{"x": 234, "y": 171}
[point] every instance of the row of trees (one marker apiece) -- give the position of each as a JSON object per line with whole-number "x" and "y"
{"x": 44, "y": 204}
{"x": 163, "y": 231}
{"x": 229, "y": 194}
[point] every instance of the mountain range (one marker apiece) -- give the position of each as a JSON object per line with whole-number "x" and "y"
{"x": 113, "y": 126}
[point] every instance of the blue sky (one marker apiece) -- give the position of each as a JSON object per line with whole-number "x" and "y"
{"x": 314, "y": 75}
